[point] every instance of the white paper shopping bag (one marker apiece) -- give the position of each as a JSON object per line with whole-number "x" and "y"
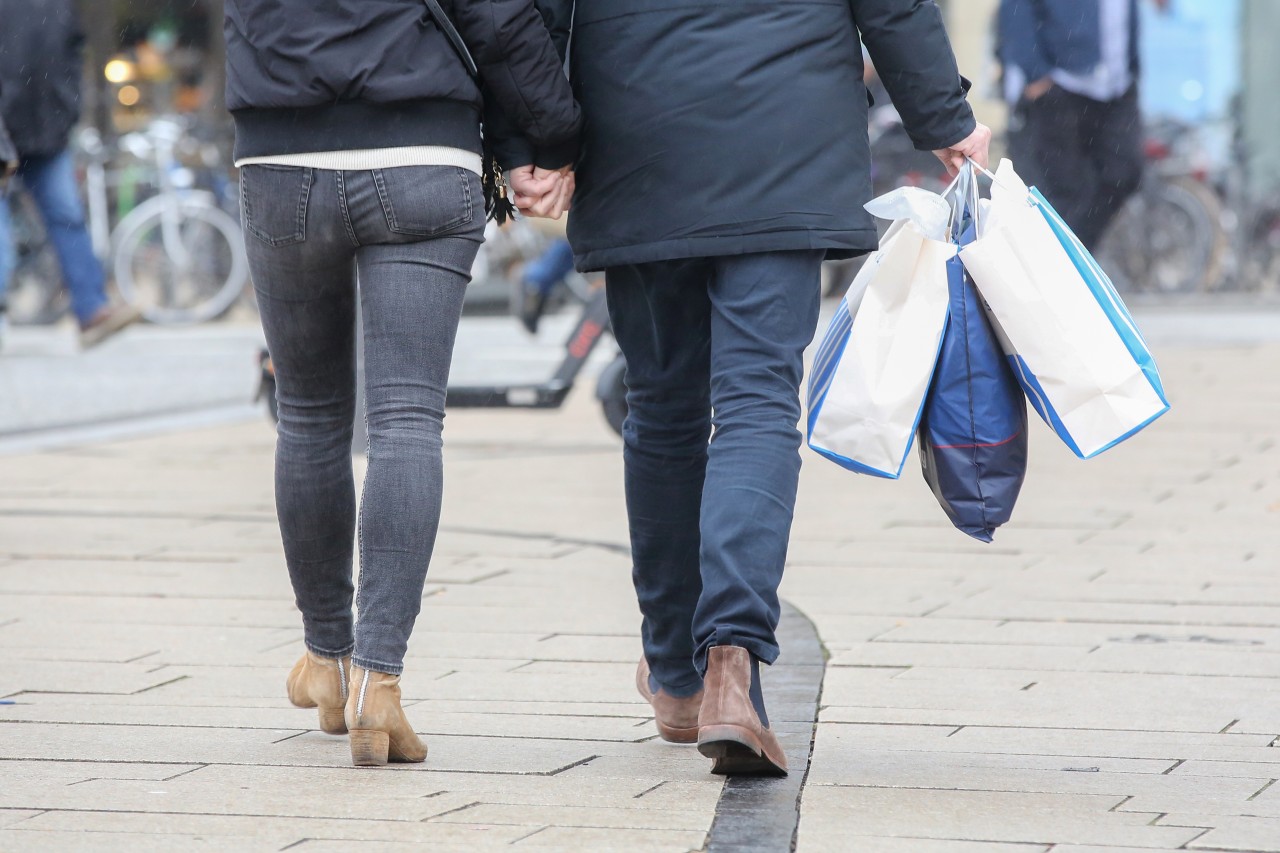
{"x": 1076, "y": 350}
{"x": 873, "y": 368}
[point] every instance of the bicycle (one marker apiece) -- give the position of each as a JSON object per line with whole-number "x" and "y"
{"x": 178, "y": 256}
{"x": 1169, "y": 237}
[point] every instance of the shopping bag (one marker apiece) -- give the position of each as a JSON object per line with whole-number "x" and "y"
{"x": 1075, "y": 348}
{"x": 872, "y": 369}
{"x": 973, "y": 434}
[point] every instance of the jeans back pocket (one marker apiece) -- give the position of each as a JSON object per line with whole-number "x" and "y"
{"x": 427, "y": 201}
{"x": 274, "y": 202}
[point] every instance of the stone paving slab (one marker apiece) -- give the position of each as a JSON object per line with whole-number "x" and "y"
{"x": 1104, "y": 677}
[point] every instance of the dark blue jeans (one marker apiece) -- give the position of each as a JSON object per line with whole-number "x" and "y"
{"x": 411, "y": 234}
{"x": 551, "y": 268}
{"x": 52, "y": 183}
{"x": 714, "y": 350}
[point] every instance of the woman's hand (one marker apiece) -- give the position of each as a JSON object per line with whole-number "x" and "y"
{"x": 541, "y": 192}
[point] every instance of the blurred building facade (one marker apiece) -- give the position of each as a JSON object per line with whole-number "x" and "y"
{"x": 150, "y": 57}
{"x": 1206, "y": 63}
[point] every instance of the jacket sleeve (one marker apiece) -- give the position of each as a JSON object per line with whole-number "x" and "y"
{"x": 527, "y": 94}
{"x": 1021, "y": 23}
{"x": 912, "y": 54}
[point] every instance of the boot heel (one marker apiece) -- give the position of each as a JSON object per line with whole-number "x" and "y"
{"x": 333, "y": 721}
{"x": 369, "y": 748}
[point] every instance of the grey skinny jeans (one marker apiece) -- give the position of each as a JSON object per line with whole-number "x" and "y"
{"x": 411, "y": 234}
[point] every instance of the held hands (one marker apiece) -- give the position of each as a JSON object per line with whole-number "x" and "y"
{"x": 977, "y": 145}
{"x": 541, "y": 192}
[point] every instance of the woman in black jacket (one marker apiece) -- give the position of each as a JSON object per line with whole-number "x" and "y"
{"x": 358, "y": 135}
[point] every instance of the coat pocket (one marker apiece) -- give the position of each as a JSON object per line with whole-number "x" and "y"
{"x": 273, "y": 200}
{"x": 427, "y": 201}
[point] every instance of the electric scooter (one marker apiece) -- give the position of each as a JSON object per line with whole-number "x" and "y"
{"x": 592, "y": 325}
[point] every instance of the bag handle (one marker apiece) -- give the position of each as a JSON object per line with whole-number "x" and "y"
{"x": 451, "y": 33}
{"x": 963, "y": 194}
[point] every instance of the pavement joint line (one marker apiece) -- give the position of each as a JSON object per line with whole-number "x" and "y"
{"x": 455, "y": 810}
{"x": 71, "y": 436}
{"x": 533, "y": 536}
{"x": 763, "y": 813}
{"x": 530, "y": 835}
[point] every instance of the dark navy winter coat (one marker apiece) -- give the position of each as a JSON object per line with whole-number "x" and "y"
{"x": 720, "y": 127}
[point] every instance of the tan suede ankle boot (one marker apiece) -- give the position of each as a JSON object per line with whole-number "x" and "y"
{"x": 319, "y": 682}
{"x": 380, "y": 732}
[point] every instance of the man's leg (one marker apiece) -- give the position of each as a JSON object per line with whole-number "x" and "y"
{"x": 764, "y": 314}
{"x": 1048, "y": 146}
{"x": 52, "y": 183}
{"x": 764, "y": 311}
{"x": 661, "y": 319}
{"x": 1112, "y": 132}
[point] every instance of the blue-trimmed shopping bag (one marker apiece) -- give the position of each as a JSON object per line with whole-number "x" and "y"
{"x": 873, "y": 367}
{"x": 1075, "y": 348}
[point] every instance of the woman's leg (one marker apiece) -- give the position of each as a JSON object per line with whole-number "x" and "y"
{"x": 411, "y": 296}
{"x": 301, "y": 259}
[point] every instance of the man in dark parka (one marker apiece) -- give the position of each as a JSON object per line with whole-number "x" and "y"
{"x": 725, "y": 157}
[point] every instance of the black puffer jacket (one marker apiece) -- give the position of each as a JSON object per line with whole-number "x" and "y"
{"x": 718, "y": 127}
{"x": 325, "y": 75}
{"x": 40, "y": 66}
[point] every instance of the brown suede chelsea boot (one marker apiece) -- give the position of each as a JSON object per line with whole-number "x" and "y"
{"x": 319, "y": 682}
{"x": 380, "y": 732}
{"x": 729, "y": 729}
{"x": 676, "y": 716}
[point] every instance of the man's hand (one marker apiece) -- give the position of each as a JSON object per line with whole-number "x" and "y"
{"x": 977, "y": 145}
{"x": 1038, "y": 89}
{"x": 540, "y": 192}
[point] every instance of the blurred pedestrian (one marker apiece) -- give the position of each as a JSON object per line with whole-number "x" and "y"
{"x": 40, "y": 73}
{"x": 1071, "y": 79}
{"x": 359, "y": 146}
{"x": 725, "y": 157}
{"x": 539, "y": 280}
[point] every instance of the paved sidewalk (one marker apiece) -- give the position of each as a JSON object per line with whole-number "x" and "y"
{"x": 1104, "y": 677}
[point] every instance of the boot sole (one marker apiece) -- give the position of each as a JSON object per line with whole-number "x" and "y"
{"x": 671, "y": 735}
{"x": 735, "y": 751}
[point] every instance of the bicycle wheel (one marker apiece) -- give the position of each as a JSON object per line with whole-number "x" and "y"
{"x": 1166, "y": 240}
{"x": 202, "y": 282}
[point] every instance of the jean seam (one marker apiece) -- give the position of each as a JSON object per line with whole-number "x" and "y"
{"x": 342, "y": 205}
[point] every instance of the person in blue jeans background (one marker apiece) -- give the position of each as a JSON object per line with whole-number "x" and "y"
{"x": 540, "y": 278}
{"x": 40, "y": 70}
